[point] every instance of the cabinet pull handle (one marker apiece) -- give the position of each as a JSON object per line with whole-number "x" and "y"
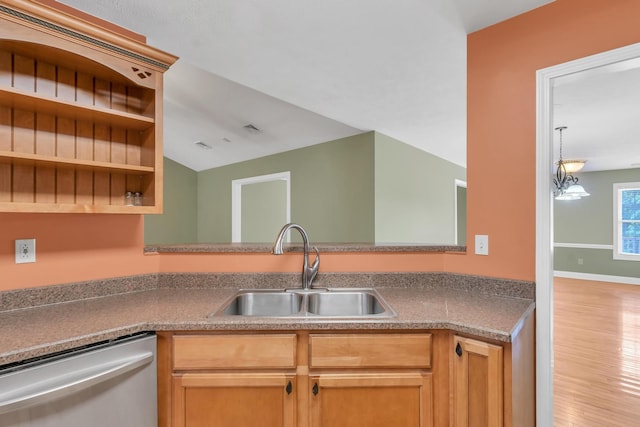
{"x": 289, "y": 387}
{"x": 459, "y": 350}
{"x": 315, "y": 389}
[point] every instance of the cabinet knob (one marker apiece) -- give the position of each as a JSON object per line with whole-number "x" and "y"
{"x": 459, "y": 350}
{"x": 289, "y": 387}
{"x": 315, "y": 389}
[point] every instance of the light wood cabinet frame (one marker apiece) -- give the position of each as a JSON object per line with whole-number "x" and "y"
{"x": 373, "y": 398}
{"x": 266, "y": 396}
{"x": 80, "y": 114}
{"x": 478, "y": 383}
{"x": 340, "y": 364}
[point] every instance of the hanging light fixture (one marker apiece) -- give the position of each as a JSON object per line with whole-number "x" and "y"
{"x": 566, "y": 185}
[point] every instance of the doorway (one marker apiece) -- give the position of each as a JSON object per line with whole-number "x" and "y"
{"x": 544, "y": 217}
{"x": 460, "y": 209}
{"x": 260, "y": 206}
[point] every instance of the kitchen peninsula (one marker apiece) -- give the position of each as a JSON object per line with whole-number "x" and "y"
{"x": 444, "y": 308}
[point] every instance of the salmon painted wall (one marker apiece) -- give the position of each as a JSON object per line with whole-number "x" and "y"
{"x": 501, "y": 119}
{"x": 292, "y": 262}
{"x": 72, "y": 247}
{"x": 502, "y": 61}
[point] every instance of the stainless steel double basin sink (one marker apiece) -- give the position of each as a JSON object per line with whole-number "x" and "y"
{"x": 313, "y": 303}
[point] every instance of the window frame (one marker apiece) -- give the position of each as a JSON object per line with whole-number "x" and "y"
{"x": 617, "y": 221}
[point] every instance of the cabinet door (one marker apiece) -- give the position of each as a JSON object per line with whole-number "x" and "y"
{"x": 234, "y": 399}
{"x": 371, "y": 399}
{"x": 477, "y": 384}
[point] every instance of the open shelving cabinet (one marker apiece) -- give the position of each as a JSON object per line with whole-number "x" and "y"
{"x": 80, "y": 114}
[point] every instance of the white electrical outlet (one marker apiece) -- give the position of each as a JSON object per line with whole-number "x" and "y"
{"x": 25, "y": 251}
{"x": 482, "y": 244}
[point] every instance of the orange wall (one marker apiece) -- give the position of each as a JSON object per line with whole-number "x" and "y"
{"x": 335, "y": 262}
{"x": 502, "y": 61}
{"x": 501, "y": 118}
{"x": 72, "y": 247}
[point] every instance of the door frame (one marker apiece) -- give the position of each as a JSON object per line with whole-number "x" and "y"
{"x": 457, "y": 183}
{"x": 544, "y": 215}
{"x": 236, "y": 200}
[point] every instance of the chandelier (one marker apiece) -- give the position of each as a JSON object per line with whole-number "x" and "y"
{"x": 566, "y": 185}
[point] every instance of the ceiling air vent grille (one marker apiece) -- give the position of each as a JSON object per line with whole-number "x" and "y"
{"x": 251, "y": 128}
{"x": 203, "y": 145}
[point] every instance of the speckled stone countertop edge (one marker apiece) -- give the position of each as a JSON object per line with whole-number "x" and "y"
{"x": 181, "y": 301}
{"x": 55, "y": 294}
{"x": 73, "y": 342}
{"x": 293, "y": 247}
{"x": 49, "y": 348}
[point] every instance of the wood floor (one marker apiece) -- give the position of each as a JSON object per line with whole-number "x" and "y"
{"x": 597, "y": 354}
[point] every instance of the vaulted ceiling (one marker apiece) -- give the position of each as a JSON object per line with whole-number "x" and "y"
{"x": 305, "y": 72}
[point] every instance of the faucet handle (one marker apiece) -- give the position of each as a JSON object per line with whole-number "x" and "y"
{"x": 313, "y": 270}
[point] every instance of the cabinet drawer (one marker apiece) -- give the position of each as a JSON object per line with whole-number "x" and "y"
{"x": 234, "y": 351}
{"x": 370, "y": 351}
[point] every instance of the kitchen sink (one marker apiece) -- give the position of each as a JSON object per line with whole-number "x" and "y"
{"x": 313, "y": 303}
{"x": 264, "y": 303}
{"x": 347, "y": 303}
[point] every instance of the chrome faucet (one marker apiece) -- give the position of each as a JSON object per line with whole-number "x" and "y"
{"x": 308, "y": 272}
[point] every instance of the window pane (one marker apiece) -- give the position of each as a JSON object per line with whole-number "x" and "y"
{"x": 631, "y": 237}
{"x": 631, "y": 204}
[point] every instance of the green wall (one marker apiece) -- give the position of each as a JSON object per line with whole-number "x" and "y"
{"x": 462, "y": 215}
{"x": 590, "y": 221}
{"x": 178, "y": 223}
{"x": 331, "y": 190}
{"x": 263, "y": 210}
{"x": 364, "y": 188}
{"x": 414, "y": 194}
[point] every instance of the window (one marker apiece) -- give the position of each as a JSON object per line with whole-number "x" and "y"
{"x": 626, "y": 228}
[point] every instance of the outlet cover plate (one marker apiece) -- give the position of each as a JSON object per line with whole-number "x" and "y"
{"x": 482, "y": 244}
{"x": 25, "y": 251}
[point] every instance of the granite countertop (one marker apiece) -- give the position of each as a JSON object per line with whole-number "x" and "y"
{"x": 35, "y": 331}
{"x": 296, "y": 247}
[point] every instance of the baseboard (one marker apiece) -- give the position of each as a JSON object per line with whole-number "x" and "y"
{"x": 598, "y": 277}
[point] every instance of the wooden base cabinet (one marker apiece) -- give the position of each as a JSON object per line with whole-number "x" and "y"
{"x": 241, "y": 380}
{"x": 378, "y": 379}
{"x": 345, "y": 379}
{"x": 477, "y": 383}
{"x": 238, "y": 399}
{"x": 368, "y": 400}
{"x": 493, "y": 384}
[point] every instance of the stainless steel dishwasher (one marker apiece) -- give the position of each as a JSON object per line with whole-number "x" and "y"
{"x": 109, "y": 384}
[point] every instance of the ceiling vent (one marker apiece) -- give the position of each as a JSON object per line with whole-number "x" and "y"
{"x": 251, "y": 128}
{"x": 203, "y": 145}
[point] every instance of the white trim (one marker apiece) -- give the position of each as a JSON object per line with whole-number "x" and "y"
{"x": 544, "y": 218}
{"x": 544, "y": 253}
{"x": 459, "y": 183}
{"x": 583, "y": 246}
{"x": 456, "y": 183}
{"x": 598, "y": 277}
{"x": 617, "y": 222}
{"x": 236, "y": 200}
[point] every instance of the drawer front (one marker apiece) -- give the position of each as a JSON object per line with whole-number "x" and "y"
{"x": 234, "y": 351}
{"x": 370, "y": 351}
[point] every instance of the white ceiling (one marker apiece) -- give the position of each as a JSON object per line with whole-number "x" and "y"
{"x": 601, "y": 110}
{"x": 306, "y": 72}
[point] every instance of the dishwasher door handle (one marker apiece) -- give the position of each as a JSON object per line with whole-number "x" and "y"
{"x": 66, "y": 384}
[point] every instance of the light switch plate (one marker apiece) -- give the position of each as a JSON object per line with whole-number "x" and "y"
{"x": 25, "y": 251}
{"x": 482, "y": 244}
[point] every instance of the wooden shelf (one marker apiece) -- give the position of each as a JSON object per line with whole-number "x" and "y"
{"x": 76, "y": 208}
{"x": 80, "y": 115}
{"x": 21, "y": 100}
{"x": 42, "y": 160}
